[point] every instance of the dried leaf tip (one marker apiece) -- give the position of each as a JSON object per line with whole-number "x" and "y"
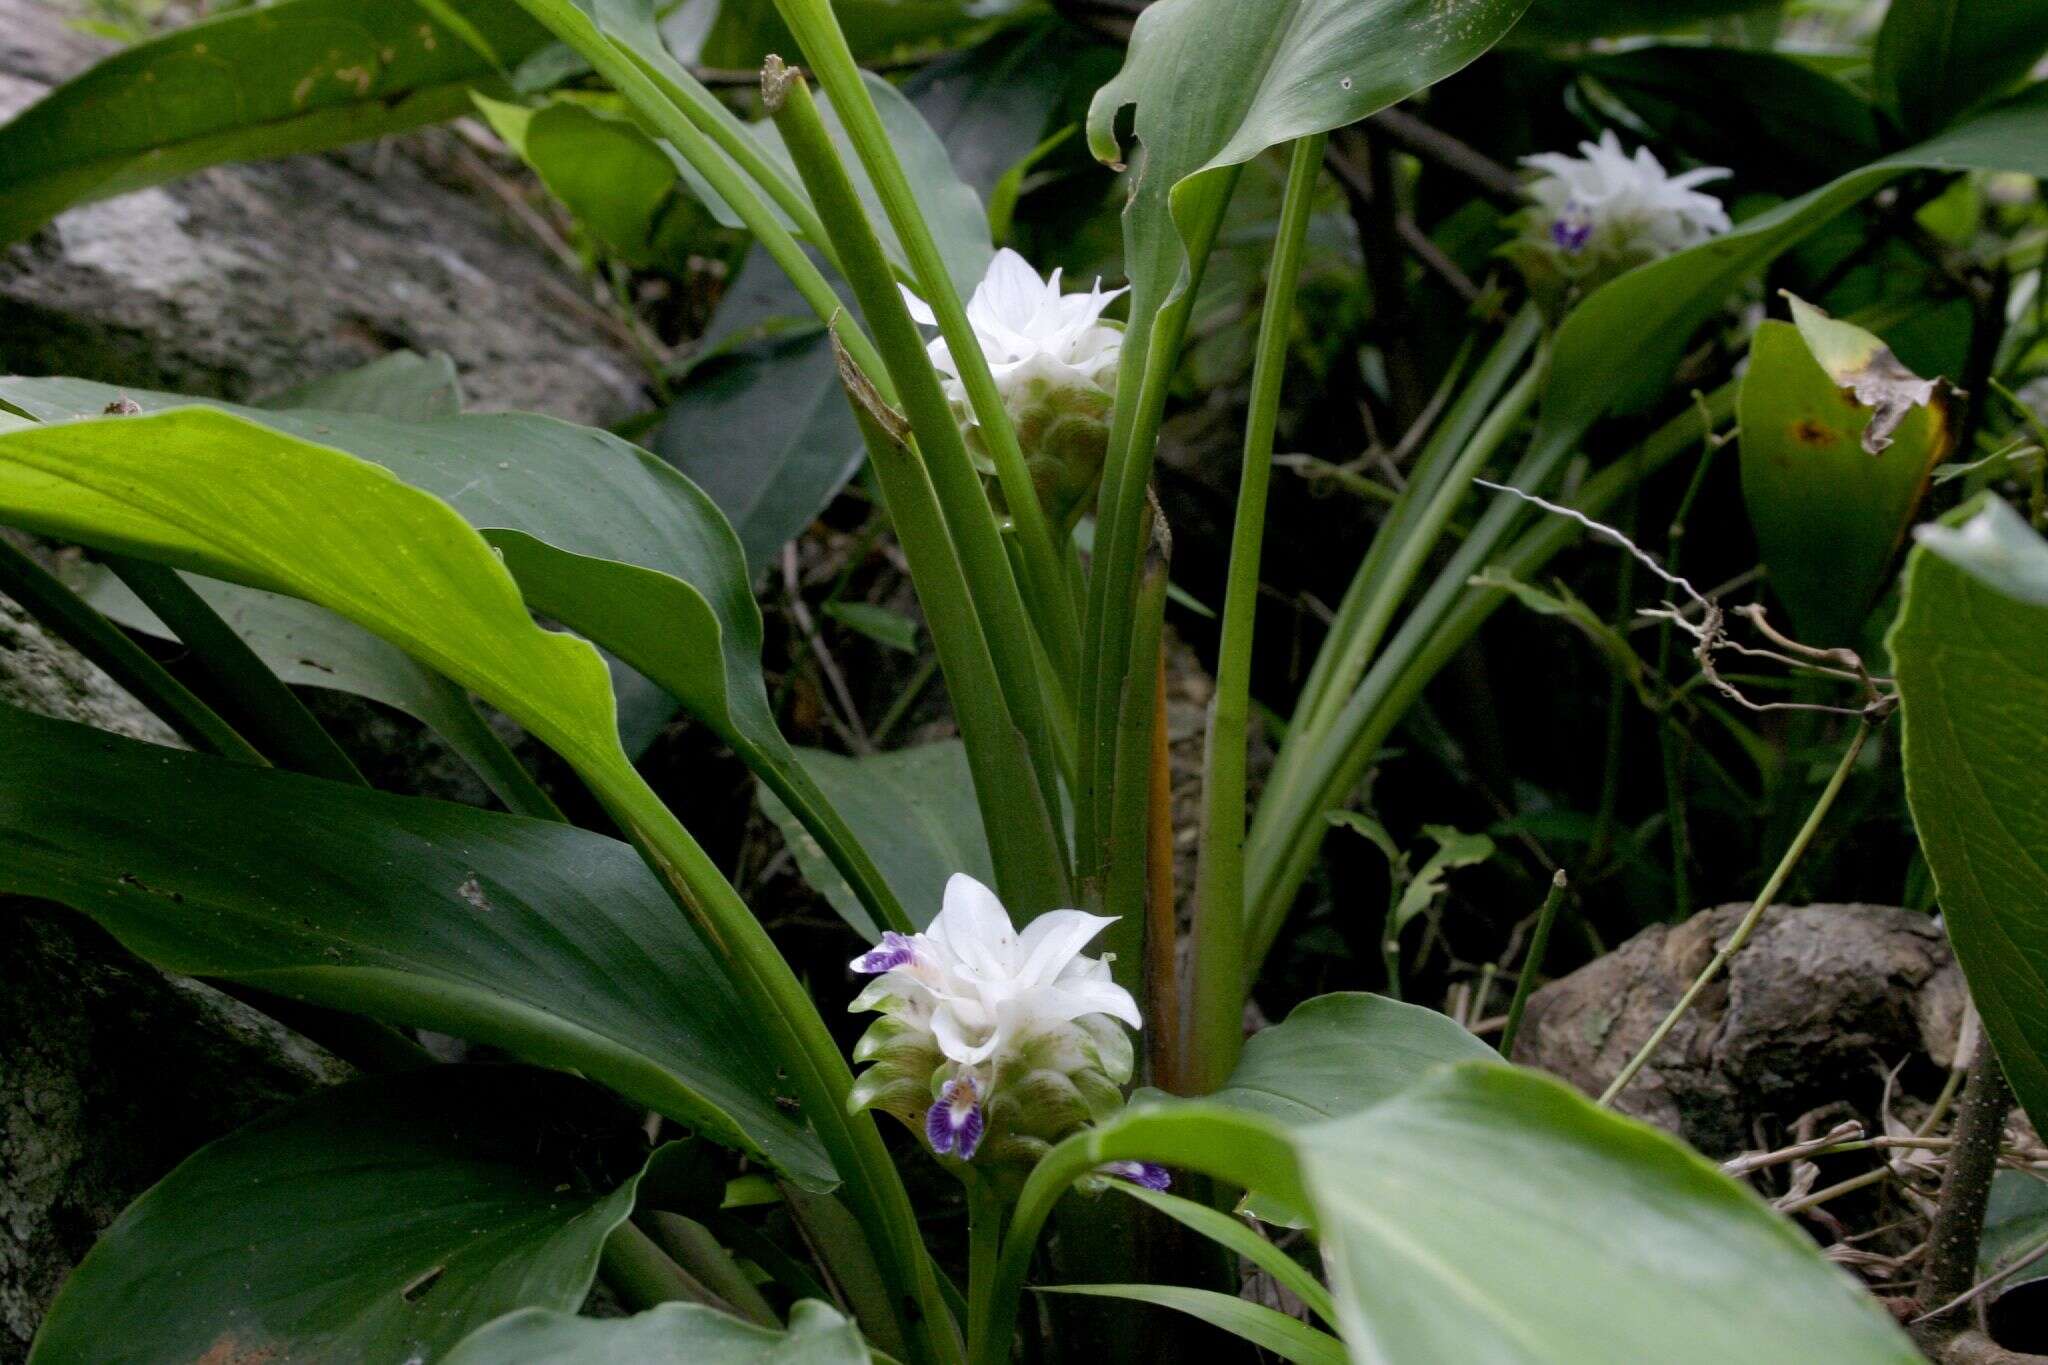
{"x": 777, "y": 76}
{"x": 866, "y": 397}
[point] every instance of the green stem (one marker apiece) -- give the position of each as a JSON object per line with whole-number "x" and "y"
{"x": 642, "y": 1275}
{"x": 1764, "y": 899}
{"x": 985, "y": 1209}
{"x": 627, "y": 75}
{"x": 500, "y": 768}
{"x": 68, "y": 617}
{"x": 1403, "y": 546}
{"x": 825, "y": 46}
{"x": 1216, "y": 1020}
{"x": 780, "y": 1004}
{"x": 1532, "y": 963}
{"x": 1232, "y": 1146}
{"x": 1672, "y": 744}
{"x": 690, "y": 1244}
{"x": 1144, "y": 372}
{"x": 236, "y": 681}
{"x": 1031, "y": 863}
{"x": 1126, "y": 886}
{"x": 1286, "y": 833}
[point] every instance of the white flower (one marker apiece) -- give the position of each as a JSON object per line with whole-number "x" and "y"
{"x": 981, "y": 987}
{"x": 988, "y": 1030}
{"x": 1029, "y": 330}
{"x": 1607, "y": 205}
{"x": 1054, "y": 361}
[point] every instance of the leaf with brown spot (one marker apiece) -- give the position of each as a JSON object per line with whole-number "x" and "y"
{"x": 1838, "y": 442}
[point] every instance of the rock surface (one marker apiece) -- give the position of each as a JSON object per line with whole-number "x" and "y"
{"x": 1815, "y": 1009}
{"x": 113, "y": 1072}
{"x": 243, "y": 281}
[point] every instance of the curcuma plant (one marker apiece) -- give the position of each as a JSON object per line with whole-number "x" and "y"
{"x": 1051, "y": 1036}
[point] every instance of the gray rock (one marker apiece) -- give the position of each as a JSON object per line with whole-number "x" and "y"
{"x": 1821, "y": 1002}
{"x": 242, "y": 281}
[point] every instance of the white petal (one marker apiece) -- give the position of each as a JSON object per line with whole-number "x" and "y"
{"x": 1071, "y": 999}
{"x": 920, "y": 311}
{"x": 1011, "y": 290}
{"x": 1053, "y": 940}
{"x": 956, "y": 1045}
{"x": 974, "y": 927}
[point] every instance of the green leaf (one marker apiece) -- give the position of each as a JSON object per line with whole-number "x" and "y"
{"x": 1338, "y": 1054}
{"x": 1262, "y": 1326}
{"x": 2015, "y": 1223}
{"x": 1234, "y": 1235}
{"x": 951, "y": 207}
{"x": 403, "y": 384}
{"x": 600, "y": 535}
{"x": 891, "y": 629}
{"x": 382, "y": 1220}
{"x": 766, "y": 369}
{"x": 616, "y": 180}
{"x": 1618, "y": 348}
{"x": 1838, "y": 442}
{"x": 1492, "y": 1213}
{"x": 309, "y": 646}
{"x": 257, "y": 82}
{"x": 1934, "y": 59}
{"x": 1216, "y": 82}
{"x": 1455, "y": 848}
{"x": 672, "y": 1334}
{"x": 1970, "y": 651}
{"x": 912, "y": 809}
{"x": 1614, "y": 647}
{"x": 549, "y": 941}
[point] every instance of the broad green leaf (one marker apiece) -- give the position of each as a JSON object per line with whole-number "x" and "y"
{"x": 912, "y": 809}
{"x": 1337, "y": 1054}
{"x": 672, "y": 1334}
{"x": 616, "y": 180}
{"x": 1935, "y": 58}
{"x": 256, "y": 82}
{"x": 403, "y": 384}
{"x": 549, "y": 941}
{"x": 1970, "y": 652}
{"x": 309, "y": 646}
{"x": 1216, "y": 82}
{"x": 1490, "y": 1213}
{"x": 599, "y": 534}
{"x": 1617, "y": 349}
{"x": 1838, "y": 442}
{"x": 382, "y": 1220}
{"x": 801, "y": 447}
{"x": 1264, "y": 1327}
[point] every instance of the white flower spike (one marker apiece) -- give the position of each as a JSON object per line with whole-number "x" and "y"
{"x": 1054, "y": 361}
{"x": 1602, "y": 212}
{"x": 992, "y": 1040}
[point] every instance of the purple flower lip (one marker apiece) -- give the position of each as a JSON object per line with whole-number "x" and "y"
{"x": 1139, "y": 1173}
{"x": 953, "y": 1125}
{"x": 895, "y": 950}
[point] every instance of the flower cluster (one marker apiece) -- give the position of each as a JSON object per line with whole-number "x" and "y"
{"x": 995, "y": 1044}
{"x": 1054, "y": 360}
{"x": 1595, "y": 215}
